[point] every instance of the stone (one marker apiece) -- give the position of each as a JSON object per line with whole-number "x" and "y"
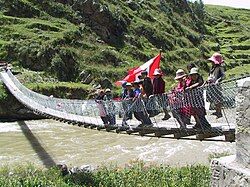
{"x": 226, "y": 172}
{"x": 235, "y": 170}
{"x": 82, "y": 169}
{"x": 63, "y": 168}
{"x": 244, "y": 82}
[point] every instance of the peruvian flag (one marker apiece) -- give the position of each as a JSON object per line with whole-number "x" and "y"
{"x": 149, "y": 66}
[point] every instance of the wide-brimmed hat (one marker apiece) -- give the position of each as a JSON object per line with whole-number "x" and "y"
{"x": 124, "y": 84}
{"x": 107, "y": 90}
{"x": 194, "y": 71}
{"x": 216, "y": 58}
{"x": 157, "y": 72}
{"x": 128, "y": 84}
{"x": 180, "y": 73}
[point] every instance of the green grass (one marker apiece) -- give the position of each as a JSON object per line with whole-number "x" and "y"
{"x": 239, "y": 70}
{"x": 134, "y": 175}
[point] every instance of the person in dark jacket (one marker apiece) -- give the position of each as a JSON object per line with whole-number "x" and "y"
{"x": 214, "y": 90}
{"x": 141, "y": 114}
{"x": 147, "y": 85}
{"x": 159, "y": 92}
{"x": 147, "y": 90}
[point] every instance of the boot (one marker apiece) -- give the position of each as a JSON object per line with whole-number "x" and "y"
{"x": 166, "y": 116}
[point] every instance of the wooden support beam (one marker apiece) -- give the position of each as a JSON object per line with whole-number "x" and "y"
{"x": 143, "y": 131}
{"x": 229, "y": 137}
{"x": 184, "y": 133}
{"x": 100, "y": 127}
{"x": 208, "y": 133}
{"x": 121, "y": 128}
{"x": 92, "y": 126}
{"x": 80, "y": 124}
{"x": 202, "y": 136}
{"x": 131, "y": 131}
{"x": 111, "y": 127}
{"x": 86, "y": 125}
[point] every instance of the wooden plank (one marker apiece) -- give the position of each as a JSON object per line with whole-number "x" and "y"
{"x": 164, "y": 131}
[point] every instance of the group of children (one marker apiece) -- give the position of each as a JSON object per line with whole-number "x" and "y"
{"x": 142, "y": 90}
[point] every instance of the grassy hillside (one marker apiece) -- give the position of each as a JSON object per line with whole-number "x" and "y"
{"x": 231, "y": 31}
{"x": 85, "y": 41}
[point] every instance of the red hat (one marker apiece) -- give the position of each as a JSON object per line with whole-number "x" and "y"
{"x": 216, "y": 58}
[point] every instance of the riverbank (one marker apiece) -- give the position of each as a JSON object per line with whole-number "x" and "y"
{"x": 47, "y": 142}
{"x": 136, "y": 174}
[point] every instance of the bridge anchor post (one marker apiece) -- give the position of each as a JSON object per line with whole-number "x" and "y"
{"x": 235, "y": 170}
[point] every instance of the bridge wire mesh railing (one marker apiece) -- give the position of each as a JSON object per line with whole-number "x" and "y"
{"x": 154, "y": 107}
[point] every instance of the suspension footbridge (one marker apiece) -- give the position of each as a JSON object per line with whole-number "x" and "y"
{"x": 86, "y": 113}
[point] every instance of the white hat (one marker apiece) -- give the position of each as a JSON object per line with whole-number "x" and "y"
{"x": 193, "y": 71}
{"x": 180, "y": 74}
{"x": 128, "y": 84}
{"x": 157, "y": 72}
{"x": 107, "y": 90}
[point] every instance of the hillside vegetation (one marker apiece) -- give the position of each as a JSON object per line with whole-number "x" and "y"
{"x": 231, "y": 30}
{"x": 85, "y": 41}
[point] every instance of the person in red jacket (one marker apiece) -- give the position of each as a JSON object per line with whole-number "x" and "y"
{"x": 159, "y": 90}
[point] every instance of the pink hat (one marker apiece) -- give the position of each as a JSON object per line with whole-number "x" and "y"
{"x": 216, "y": 58}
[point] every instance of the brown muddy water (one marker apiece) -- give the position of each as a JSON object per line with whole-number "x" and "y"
{"x": 47, "y": 142}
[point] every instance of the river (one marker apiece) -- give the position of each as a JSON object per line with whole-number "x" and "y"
{"x": 47, "y": 142}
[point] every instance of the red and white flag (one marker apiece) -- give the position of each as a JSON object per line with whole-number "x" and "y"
{"x": 149, "y": 66}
